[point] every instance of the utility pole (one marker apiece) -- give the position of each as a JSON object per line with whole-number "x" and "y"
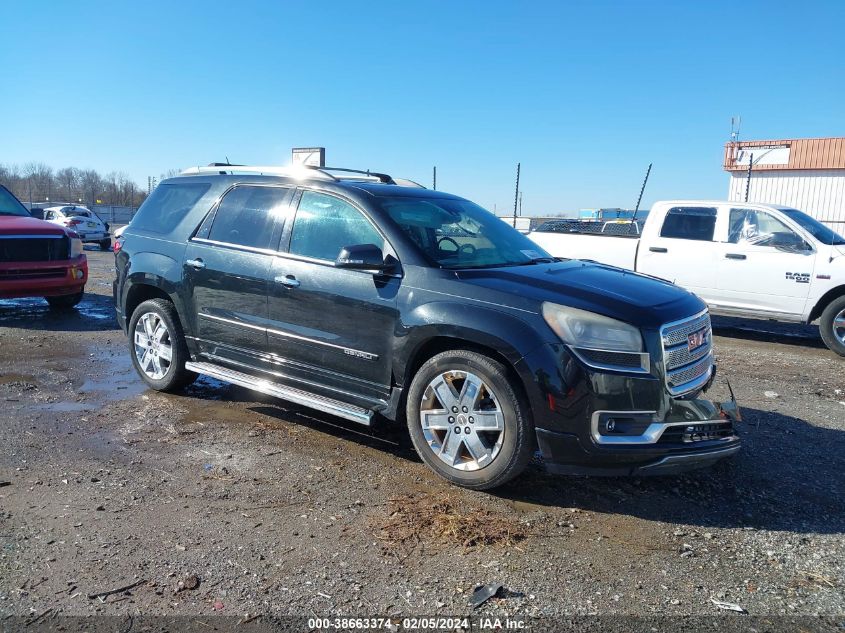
{"x": 748, "y": 178}
{"x": 434, "y": 178}
{"x": 516, "y": 194}
{"x": 520, "y": 204}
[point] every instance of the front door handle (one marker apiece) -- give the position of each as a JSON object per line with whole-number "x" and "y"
{"x": 197, "y": 264}
{"x": 658, "y": 249}
{"x": 288, "y": 280}
{"x": 735, "y": 256}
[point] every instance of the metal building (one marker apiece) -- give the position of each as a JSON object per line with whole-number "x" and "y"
{"x": 807, "y": 174}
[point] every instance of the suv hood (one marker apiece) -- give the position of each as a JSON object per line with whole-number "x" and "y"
{"x": 614, "y": 292}
{"x": 20, "y": 225}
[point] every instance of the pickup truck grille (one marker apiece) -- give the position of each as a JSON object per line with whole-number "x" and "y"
{"x": 35, "y": 273}
{"x": 49, "y": 248}
{"x": 687, "y": 353}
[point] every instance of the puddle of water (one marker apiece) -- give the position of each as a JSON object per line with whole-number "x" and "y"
{"x": 19, "y": 307}
{"x": 91, "y": 307}
{"x": 120, "y": 382}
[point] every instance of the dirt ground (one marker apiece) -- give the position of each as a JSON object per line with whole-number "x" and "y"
{"x": 219, "y": 500}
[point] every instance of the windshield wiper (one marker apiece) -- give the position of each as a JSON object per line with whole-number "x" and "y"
{"x": 538, "y": 260}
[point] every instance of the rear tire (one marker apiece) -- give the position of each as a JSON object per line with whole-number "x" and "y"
{"x": 65, "y": 302}
{"x": 832, "y": 326}
{"x": 157, "y": 345}
{"x": 105, "y": 245}
{"x": 467, "y": 421}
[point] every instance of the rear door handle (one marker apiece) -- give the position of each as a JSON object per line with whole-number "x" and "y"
{"x": 658, "y": 249}
{"x": 288, "y": 280}
{"x": 197, "y": 264}
{"x": 735, "y": 256}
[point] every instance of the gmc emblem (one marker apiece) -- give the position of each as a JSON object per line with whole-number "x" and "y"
{"x": 696, "y": 340}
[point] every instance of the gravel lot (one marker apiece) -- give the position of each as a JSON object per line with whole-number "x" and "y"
{"x": 220, "y": 500}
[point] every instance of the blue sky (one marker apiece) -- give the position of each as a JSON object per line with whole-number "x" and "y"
{"x": 584, "y": 95}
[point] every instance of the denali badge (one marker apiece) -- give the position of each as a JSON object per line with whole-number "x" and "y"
{"x": 696, "y": 340}
{"x": 358, "y": 354}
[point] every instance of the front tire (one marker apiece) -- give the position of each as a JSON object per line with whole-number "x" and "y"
{"x": 65, "y": 302}
{"x": 832, "y": 326}
{"x": 157, "y": 345}
{"x": 467, "y": 421}
{"x": 105, "y": 245}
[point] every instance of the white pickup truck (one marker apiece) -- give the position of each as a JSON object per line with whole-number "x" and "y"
{"x": 751, "y": 260}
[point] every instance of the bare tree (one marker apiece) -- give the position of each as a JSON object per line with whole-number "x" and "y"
{"x": 36, "y": 182}
{"x": 92, "y": 186}
{"x": 67, "y": 180}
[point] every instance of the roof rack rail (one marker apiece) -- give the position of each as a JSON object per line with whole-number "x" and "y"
{"x": 269, "y": 170}
{"x": 301, "y": 172}
{"x": 358, "y": 174}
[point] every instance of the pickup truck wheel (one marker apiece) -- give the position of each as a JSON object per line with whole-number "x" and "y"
{"x": 65, "y": 302}
{"x": 467, "y": 422}
{"x": 832, "y": 326}
{"x": 158, "y": 346}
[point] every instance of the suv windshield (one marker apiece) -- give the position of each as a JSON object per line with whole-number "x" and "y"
{"x": 9, "y": 205}
{"x": 456, "y": 233}
{"x": 814, "y": 227}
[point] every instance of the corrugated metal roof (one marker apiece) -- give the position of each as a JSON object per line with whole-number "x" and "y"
{"x": 803, "y": 153}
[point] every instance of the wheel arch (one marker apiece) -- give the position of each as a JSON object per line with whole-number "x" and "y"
{"x": 824, "y": 301}
{"x": 442, "y": 343}
{"x": 140, "y": 292}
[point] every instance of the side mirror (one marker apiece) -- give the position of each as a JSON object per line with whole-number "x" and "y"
{"x": 362, "y": 257}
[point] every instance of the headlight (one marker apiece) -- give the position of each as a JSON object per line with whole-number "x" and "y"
{"x": 75, "y": 247}
{"x": 580, "y": 328}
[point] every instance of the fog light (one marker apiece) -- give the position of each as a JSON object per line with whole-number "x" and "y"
{"x": 610, "y": 425}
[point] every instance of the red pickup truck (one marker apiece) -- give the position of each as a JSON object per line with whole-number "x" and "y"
{"x": 37, "y": 258}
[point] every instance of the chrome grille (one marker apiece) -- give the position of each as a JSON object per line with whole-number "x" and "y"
{"x": 687, "y": 370}
{"x": 681, "y": 355}
{"x": 676, "y": 333}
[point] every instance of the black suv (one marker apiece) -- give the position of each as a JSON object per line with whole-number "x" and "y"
{"x": 358, "y": 294}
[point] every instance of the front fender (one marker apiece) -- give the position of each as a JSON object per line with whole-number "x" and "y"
{"x": 511, "y": 335}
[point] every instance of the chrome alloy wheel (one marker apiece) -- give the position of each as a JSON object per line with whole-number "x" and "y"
{"x": 153, "y": 346}
{"x": 839, "y": 327}
{"x": 462, "y": 421}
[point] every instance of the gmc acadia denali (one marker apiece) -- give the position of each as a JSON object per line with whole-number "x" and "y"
{"x": 358, "y": 294}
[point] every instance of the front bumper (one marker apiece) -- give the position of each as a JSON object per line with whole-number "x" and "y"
{"x": 565, "y": 454}
{"x": 43, "y": 279}
{"x": 591, "y": 422}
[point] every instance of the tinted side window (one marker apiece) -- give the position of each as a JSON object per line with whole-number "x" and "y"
{"x": 325, "y": 224}
{"x": 166, "y": 207}
{"x": 690, "y": 223}
{"x": 246, "y": 216}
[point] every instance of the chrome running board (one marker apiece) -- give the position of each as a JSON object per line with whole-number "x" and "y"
{"x": 297, "y": 396}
